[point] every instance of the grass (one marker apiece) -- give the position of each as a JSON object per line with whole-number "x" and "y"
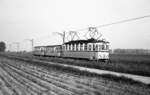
{"x": 133, "y": 64}
{"x": 124, "y": 63}
{"x": 130, "y": 58}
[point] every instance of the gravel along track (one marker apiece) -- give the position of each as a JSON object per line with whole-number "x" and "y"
{"x": 22, "y": 78}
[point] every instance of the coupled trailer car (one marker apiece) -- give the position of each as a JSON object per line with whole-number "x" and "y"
{"x": 82, "y": 49}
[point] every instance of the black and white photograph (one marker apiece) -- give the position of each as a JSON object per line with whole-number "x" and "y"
{"x": 74, "y": 47}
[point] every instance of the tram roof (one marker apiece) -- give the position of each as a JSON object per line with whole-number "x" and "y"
{"x": 86, "y": 41}
{"x": 47, "y": 46}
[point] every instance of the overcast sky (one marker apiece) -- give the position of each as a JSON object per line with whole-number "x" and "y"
{"x": 23, "y": 19}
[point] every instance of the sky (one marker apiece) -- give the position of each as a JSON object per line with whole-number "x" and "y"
{"x": 39, "y": 19}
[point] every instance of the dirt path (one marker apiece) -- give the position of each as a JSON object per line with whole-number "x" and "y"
{"x": 22, "y": 78}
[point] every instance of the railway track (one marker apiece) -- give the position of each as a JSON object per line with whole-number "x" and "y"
{"x": 23, "y": 78}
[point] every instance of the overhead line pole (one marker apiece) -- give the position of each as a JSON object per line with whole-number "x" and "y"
{"x": 32, "y": 43}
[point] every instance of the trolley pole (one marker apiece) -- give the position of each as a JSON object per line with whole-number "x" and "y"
{"x": 63, "y": 39}
{"x": 62, "y": 35}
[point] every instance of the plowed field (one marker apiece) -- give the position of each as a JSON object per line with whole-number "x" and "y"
{"x": 22, "y": 78}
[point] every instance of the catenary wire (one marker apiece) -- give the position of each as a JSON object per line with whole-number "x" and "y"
{"x": 118, "y": 22}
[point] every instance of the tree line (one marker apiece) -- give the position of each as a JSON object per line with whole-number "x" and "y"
{"x": 2, "y": 46}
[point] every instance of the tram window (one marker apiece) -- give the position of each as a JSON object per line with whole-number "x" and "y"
{"x": 93, "y": 47}
{"x": 90, "y": 48}
{"x": 66, "y": 47}
{"x": 49, "y": 49}
{"x": 85, "y": 47}
{"x": 76, "y": 47}
{"x": 56, "y": 49}
{"x": 81, "y": 47}
{"x": 69, "y": 47}
{"x": 52, "y": 49}
{"x": 107, "y": 47}
{"x": 103, "y": 47}
{"x": 46, "y": 49}
{"x": 100, "y": 47}
{"x": 96, "y": 48}
{"x": 72, "y": 47}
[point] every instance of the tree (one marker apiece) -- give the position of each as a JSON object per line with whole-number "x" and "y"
{"x": 2, "y": 46}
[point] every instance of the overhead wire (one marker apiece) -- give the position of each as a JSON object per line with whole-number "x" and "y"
{"x": 118, "y": 22}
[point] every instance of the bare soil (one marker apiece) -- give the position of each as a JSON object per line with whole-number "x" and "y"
{"x": 22, "y": 78}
